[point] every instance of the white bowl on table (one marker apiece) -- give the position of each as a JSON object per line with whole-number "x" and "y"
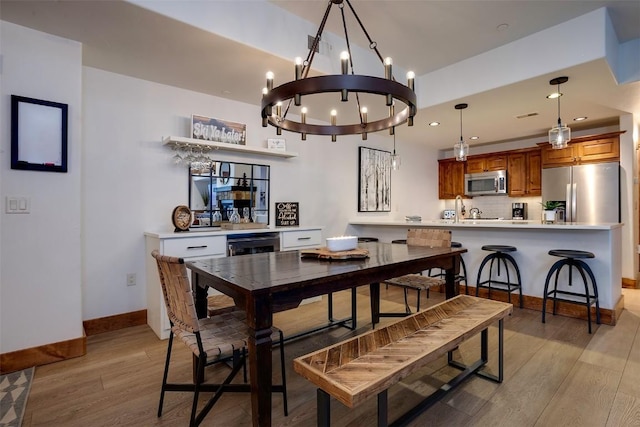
{"x": 342, "y": 243}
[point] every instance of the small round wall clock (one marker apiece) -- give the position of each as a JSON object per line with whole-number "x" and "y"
{"x": 181, "y": 218}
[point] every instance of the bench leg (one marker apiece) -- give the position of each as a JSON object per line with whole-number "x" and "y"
{"x": 484, "y": 355}
{"x": 323, "y": 408}
{"x": 382, "y": 409}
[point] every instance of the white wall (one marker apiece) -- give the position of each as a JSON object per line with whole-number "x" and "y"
{"x": 40, "y": 289}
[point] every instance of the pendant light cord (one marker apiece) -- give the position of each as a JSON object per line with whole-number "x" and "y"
{"x": 559, "y": 95}
{"x": 461, "y": 140}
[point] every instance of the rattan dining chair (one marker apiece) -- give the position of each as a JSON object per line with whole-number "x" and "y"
{"x": 221, "y": 338}
{"x": 431, "y": 237}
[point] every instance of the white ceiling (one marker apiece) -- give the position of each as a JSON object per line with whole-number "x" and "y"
{"x": 420, "y": 35}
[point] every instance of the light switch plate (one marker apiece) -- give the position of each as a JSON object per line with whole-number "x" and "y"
{"x": 17, "y": 205}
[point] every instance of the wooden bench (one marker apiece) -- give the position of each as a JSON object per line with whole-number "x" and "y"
{"x": 360, "y": 367}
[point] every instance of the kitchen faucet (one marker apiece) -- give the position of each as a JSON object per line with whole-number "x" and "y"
{"x": 459, "y": 212}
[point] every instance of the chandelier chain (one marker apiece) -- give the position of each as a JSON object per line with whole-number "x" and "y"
{"x": 373, "y": 45}
{"x": 353, "y": 71}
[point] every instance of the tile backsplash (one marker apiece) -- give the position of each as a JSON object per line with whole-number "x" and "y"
{"x": 500, "y": 206}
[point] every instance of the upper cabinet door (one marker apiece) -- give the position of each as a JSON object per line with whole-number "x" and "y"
{"x": 475, "y": 164}
{"x": 494, "y": 162}
{"x": 599, "y": 150}
{"x": 583, "y": 150}
{"x": 450, "y": 178}
{"x": 517, "y": 174}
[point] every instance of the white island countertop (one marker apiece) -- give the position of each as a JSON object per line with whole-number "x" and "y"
{"x": 488, "y": 223}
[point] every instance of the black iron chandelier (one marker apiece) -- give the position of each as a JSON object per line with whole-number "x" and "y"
{"x": 277, "y": 101}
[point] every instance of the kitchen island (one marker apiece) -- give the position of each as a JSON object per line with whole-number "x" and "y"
{"x": 533, "y": 240}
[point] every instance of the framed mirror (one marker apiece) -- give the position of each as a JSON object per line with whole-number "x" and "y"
{"x": 216, "y": 191}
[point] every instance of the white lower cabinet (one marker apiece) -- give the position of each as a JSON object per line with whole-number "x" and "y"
{"x": 300, "y": 239}
{"x": 188, "y": 247}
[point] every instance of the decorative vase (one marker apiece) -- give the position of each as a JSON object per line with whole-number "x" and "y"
{"x": 549, "y": 216}
{"x": 217, "y": 217}
{"x": 235, "y": 217}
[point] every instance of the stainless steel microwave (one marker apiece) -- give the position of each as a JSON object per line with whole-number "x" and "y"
{"x": 485, "y": 184}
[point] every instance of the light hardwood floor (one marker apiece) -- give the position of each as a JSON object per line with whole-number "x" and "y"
{"x": 556, "y": 374}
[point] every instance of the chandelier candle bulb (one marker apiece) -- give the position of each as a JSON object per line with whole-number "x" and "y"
{"x": 265, "y": 91}
{"x": 334, "y": 114}
{"x": 388, "y": 62}
{"x": 297, "y": 99}
{"x": 363, "y": 121}
{"x": 410, "y": 80}
{"x": 278, "y": 116}
{"x": 344, "y": 62}
{"x": 303, "y": 120}
{"x": 269, "y": 81}
{"x": 411, "y": 84}
{"x": 344, "y": 66}
{"x": 298, "y": 67}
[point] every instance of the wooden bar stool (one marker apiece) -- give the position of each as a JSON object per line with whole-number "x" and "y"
{"x": 572, "y": 259}
{"x": 500, "y": 253}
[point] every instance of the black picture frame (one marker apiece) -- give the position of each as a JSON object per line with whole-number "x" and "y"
{"x": 38, "y": 134}
{"x": 374, "y": 180}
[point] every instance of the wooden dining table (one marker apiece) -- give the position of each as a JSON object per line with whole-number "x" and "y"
{"x": 267, "y": 283}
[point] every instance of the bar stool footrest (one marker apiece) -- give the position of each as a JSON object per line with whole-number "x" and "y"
{"x": 579, "y": 298}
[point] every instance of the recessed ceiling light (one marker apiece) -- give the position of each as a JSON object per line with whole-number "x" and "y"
{"x": 475, "y": 137}
{"x": 434, "y": 124}
{"x": 554, "y": 95}
{"x": 579, "y": 119}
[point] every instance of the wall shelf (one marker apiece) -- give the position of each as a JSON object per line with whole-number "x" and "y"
{"x": 179, "y": 140}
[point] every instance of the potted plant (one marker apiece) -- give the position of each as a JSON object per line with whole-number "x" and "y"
{"x": 549, "y": 211}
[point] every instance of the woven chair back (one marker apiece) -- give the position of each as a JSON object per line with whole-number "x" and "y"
{"x": 430, "y": 237}
{"x": 177, "y": 292}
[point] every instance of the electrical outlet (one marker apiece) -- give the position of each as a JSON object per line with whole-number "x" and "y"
{"x": 131, "y": 279}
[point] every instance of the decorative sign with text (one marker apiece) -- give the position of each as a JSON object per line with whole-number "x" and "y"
{"x": 218, "y": 130}
{"x": 287, "y": 214}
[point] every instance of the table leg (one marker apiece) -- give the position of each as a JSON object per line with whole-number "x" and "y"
{"x": 259, "y": 320}
{"x": 199, "y": 296}
{"x": 374, "y": 295}
{"x": 450, "y": 278}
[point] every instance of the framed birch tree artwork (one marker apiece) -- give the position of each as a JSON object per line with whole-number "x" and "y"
{"x": 374, "y": 180}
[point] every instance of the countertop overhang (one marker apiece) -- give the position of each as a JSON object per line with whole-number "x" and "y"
{"x": 217, "y": 231}
{"x": 487, "y": 223}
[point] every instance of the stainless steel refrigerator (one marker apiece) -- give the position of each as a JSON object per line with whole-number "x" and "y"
{"x": 591, "y": 193}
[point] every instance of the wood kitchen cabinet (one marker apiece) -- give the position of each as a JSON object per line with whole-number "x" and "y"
{"x": 583, "y": 150}
{"x": 494, "y": 162}
{"x": 524, "y": 173}
{"x": 450, "y": 178}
